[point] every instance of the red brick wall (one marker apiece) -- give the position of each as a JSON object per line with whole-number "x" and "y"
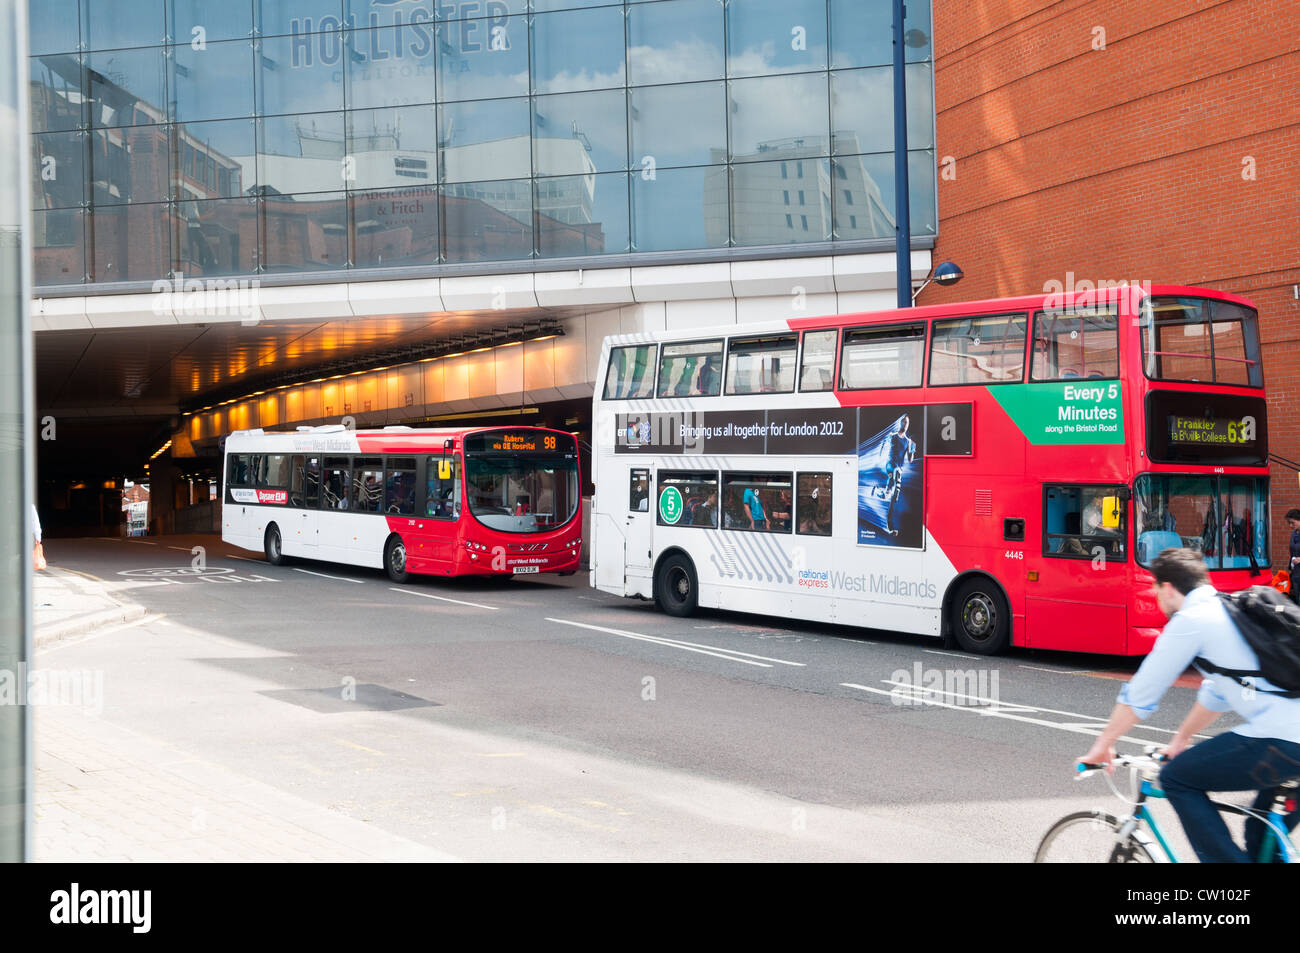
{"x": 1127, "y": 162}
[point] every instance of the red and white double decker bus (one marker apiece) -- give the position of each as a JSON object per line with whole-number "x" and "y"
{"x": 434, "y": 502}
{"x": 998, "y": 471}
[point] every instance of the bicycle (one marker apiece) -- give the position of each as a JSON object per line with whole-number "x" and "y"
{"x": 1094, "y": 836}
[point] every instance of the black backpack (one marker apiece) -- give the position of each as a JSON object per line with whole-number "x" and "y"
{"x": 1270, "y": 624}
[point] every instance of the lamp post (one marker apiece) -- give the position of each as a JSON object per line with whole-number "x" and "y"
{"x": 902, "y": 187}
{"x": 946, "y": 273}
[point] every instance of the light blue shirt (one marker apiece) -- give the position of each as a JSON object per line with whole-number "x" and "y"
{"x": 1202, "y": 628}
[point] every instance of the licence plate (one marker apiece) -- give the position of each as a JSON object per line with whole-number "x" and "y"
{"x": 519, "y": 569}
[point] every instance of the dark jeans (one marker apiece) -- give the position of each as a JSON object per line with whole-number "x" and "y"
{"x": 1227, "y": 762}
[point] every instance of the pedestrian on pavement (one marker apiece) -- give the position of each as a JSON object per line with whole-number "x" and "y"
{"x": 38, "y": 551}
{"x": 1293, "y": 564}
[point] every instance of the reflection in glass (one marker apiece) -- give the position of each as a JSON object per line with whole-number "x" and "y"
{"x": 362, "y": 14}
{"x": 486, "y": 138}
{"x": 111, "y": 26}
{"x": 579, "y": 132}
{"x": 58, "y": 246}
{"x": 218, "y": 20}
{"x": 278, "y": 17}
{"x": 861, "y": 207}
{"x": 54, "y": 85}
{"x": 130, "y": 165}
{"x": 771, "y": 208}
{"x": 301, "y": 74}
{"x": 301, "y": 154}
{"x": 52, "y": 27}
{"x": 579, "y": 49}
{"x": 480, "y": 59}
{"x": 130, "y": 242}
{"x": 777, "y": 112}
{"x": 680, "y": 208}
{"x": 391, "y": 66}
{"x": 305, "y": 232}
{"x": 127, "y": 87}
{"x": 675, "y": 42}
{"x": 217, "y": 237}
{"x": 775, "y": 36}
{"x": 862, "y": 108}
{"x": 862, "y": 33}
{"x": 678, "y": 125}
{"x": 214, "y": 159}
{"x": 58, "y": 169}
{"x": 213, "y": 83}
{"x": 393, "y": 147}
{"x": 394, "y": 227}
{"x": 488, "y": 221}
{"x": 582, "y": 215}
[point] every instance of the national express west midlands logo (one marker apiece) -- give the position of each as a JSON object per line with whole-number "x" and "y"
{"x": 875, "y": 584}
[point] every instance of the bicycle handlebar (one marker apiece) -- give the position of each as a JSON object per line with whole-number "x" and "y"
{"x": 1153, "y": 756}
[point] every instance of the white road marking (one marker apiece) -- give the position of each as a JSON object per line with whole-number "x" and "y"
{"x": 184, "y": 549}
{"x": 426, "y": 595}
{"x": 142, "y": 542}
{"x": 953, "y": 654}
{"x": 990, "y": 707}
{"x": 1056, "y": 671}
{"x": 359, "y": 582}
{"x": 715, "y": 650}
{"x": 245, "y": 559}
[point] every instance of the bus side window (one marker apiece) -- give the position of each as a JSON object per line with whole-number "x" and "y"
{"x": 442, "y": 494}
{"x": 631, "y": 372}
{"x": 639, "y": 491}
{"x": 1084, "y": 522}
{"x": 818, "y": 366}
{"x": 296, "y": 480}
{"x": 335, "y": 491}
{"x": 813, "y": 504}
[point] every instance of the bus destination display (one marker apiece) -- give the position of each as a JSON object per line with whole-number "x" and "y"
{"x": 1212, "y": 431}
{"x": 515, "y": 441}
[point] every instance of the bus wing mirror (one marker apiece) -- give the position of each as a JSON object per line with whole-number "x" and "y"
{"x": 444, "y": 469}
{"x": 1111, "y": 510}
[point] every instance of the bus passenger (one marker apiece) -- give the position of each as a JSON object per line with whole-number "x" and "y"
{"x": 754, "y": 506}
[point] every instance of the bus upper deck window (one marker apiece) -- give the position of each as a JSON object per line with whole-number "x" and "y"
{"x": 1076, "y": 343}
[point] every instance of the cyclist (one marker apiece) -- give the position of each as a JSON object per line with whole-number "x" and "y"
{"x": 1259, "y": 754}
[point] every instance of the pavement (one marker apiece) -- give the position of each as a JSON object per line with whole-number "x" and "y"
{"x": 105, "y": 793}
{"x": 68, "y": 603}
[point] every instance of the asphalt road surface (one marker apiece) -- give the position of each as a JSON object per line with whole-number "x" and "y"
{"x": 537, "y": 719}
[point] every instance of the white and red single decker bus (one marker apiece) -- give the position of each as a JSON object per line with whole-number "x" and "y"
{"x": 434, "y": 502}
{"x": 1000, "y": 471}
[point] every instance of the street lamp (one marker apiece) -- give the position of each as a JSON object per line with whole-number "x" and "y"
{"x": 946, "y": 273}
{"x": 902, "y": 187}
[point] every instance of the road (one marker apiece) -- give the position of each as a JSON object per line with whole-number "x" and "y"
{"x": 537, "y": 719}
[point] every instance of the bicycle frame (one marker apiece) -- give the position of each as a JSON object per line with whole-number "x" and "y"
{"x": 1276, "y": 836}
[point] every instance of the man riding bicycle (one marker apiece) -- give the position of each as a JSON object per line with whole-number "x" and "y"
{"x": 1260, "y": 754}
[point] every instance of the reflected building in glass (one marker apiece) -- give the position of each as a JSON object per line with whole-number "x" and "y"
{"x": 260, "y": 137}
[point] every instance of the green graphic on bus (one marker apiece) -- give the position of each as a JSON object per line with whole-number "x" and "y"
{"x": 1065, "y": 412}
{"x": 670, "y": 504}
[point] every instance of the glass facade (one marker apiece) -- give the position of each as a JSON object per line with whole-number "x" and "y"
{"x": 279, "y": 136}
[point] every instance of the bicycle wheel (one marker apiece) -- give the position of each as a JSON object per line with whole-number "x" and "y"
{"x": 1090, "y": 837}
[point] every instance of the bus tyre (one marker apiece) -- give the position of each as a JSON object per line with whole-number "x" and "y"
{"x": 395, "y": 559}
{"x": 676, "y": 586}
{"x": 274, "y": 546}
{"x": 980, "y": 619}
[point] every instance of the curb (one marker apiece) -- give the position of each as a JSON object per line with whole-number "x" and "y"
{"x": 87, "y": 622}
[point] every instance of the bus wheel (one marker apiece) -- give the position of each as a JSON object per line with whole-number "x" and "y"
{"x": 274, "y": 546}
{"x": 676, "y": 586}
{"x": 980, "y": 618}
{"x": 395, "y": 560}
